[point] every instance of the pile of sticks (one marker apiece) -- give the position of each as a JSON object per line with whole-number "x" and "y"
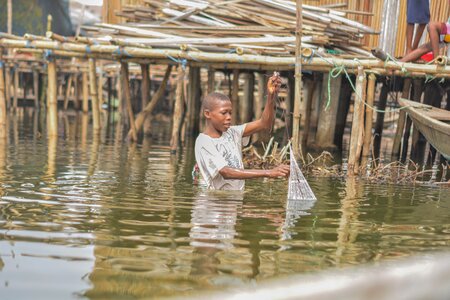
{"x": 256, "y": 27}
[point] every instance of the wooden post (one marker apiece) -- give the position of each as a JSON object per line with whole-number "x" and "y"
{"x": 68, "y": 90}
{"x": 344, "y": 105}
{"x": 378, "y": 133}
{"x": 145, "y": 86}
{"x": 298, "y": 77}
{"x": 94, "y": 98}
{"x": 358, "y": 114}
{"x": 100, "y": 87}
{"x": 126, "y": 91}
{"x": 369, "y": 119}
{"x": 178, "y": 111}
{"x": 52, "y": 112}
{"x": 290, "y": 100}
{"x": 418, "y": 140}
{"x": 85, "y": 84}
{"x": 327, "y": 116}
{"x": 36, "y": 87}
{"x": 16, "y": 87}
{"x": 3, "y": 116}
{"x": 193, "y": 103}
{"x": 235, "y": 97}
{"x": 246, "y": 109}
{"x": 76, "y": 88}
{"x": 416, "y": 96}
{"x": 211, "y": 80}
{"x": 8, "y": 85}
{"x": 152, "y": 104}
{"x": 313, "y": 92}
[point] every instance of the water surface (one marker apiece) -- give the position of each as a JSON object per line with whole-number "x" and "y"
{"x": 100, "y": 219}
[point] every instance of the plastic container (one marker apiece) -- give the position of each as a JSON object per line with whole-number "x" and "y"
{"x": 427, "y": 56}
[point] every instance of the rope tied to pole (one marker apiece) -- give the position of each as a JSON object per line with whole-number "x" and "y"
{"x": 182, "y": 61}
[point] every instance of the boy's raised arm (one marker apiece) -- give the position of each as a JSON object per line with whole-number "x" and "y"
{"x": 268, "y": 114}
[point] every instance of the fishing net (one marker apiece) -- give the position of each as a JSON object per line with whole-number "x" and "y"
{"x": 299, "y": 188}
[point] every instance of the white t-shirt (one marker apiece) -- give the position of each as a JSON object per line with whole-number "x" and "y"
{"x": 212, "y": 154}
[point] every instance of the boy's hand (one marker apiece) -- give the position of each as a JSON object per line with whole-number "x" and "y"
{"x": 274, "y": 83}
{"x": 280, "y": 171}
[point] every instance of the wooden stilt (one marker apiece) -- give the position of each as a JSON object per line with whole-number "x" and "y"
{"x": 417, "y": 95}
{"x": 145, "y": 86}
{"x": 8, "y": 86}
{"x": 357, "y": 132}
{"x": 235, "y": 97}
{"x": 100, "y": 87}
{"x": 396, "y": 147}
{"x": 211, "y": 80}
{"x": 368, "y": 119}
{"x": 246, "y": 109}
{"x": 298, "y": 77}
{"x": 313, "y": 92}
{"x": 290, "y": 101}
{"x": 3, "y": 116}
{"x": 148, "y": 109}
{"x": 344, "y": 105}
{"x": 52, "y": 113}
{"x": 68, "y": 91}
{"x": 193, "y": 101}
{"x": 76, "y": 88}
{"x": 378, "y": 133}
{"x": 36, "y": 87}
{"x": 178, "y": 111}
{"x": 16, "y": 87}
{"x": 127, "y": 95}
{"x": 84, "y": 79}
{"x": 328, "y": 111}
{"x": 94, "y": 97}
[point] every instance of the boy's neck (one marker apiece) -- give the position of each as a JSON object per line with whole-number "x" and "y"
{"x": 212, "y": 132}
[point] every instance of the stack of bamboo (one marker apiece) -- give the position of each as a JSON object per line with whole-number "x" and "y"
{"x": 258, "y": 27}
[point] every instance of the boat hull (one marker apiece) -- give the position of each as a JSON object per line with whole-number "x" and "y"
{"x": 436, "y": 132}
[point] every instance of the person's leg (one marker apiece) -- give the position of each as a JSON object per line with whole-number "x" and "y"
{"x": 417, "y": 53}
{"x": 434, "y": 30}
{"x": 409, "y": 37}
{"x": 419, "y": 32}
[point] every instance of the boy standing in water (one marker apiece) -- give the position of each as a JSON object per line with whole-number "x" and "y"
{"x": 218, "y": 149}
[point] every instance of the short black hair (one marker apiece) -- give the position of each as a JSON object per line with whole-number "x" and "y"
{"x": 210, "y": 99}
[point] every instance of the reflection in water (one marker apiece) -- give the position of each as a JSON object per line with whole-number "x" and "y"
{"x": 213, "y": 219}
{"x": 294, "y": 210}
{"x": 107, "y": 220}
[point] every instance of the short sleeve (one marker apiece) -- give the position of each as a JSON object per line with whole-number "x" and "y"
{"x": 238, "y": 132}
{"x": 209, "y": 160}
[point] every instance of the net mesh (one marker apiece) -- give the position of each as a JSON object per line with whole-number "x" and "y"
{"x": 299, "y": 188}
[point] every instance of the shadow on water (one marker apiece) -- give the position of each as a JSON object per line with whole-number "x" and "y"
{"x": 100, "y": 218}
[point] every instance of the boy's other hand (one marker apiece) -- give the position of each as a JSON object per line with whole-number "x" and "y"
{"x": 274, "y": 84}
{"x": 280, "y": 171}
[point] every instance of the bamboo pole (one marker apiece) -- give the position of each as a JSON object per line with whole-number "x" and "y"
{"x": 152, "y": 104}
{"x": 235, "y": 97}
{"x": 211, "y": 80}
{"x": 68, "y": 90}
{"x": 85, "y": 87}
{"x": 193, "y": 103}
{"x": 94, "y": 97}
{"x": 361, "y": 132}
{"x": 124, "y": 72}
{"x": 368, "y": 119}
{"x": 52, "y": 113}
{"x": 246, "y": 108}
{"x": 298, "y": 78}
{"x": 145, "y": 86}
{"x": 358, "y": 111}
{"x": 3, "y": 116}
{"x": 178, "y": 111}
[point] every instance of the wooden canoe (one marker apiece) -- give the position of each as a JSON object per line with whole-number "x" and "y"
{"x": 432, "y": 122}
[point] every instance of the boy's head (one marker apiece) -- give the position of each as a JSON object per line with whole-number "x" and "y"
{"x": 217, "y": 109}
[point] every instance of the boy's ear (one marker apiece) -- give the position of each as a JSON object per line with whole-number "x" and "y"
{"x": 207, "y": 113}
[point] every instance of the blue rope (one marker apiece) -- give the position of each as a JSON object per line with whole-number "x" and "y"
{"x": 88, "y": 49}
{"x": 48, "y": 55}
{"x": 182, "y": 61}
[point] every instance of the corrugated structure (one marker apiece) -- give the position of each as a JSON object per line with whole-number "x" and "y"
{"x": 378, "y": 14}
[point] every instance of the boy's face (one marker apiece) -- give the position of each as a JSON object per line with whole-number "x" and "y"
{"x": 219, "y": 115}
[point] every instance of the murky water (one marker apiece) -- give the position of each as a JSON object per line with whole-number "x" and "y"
{"x": 98, "y": 219}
